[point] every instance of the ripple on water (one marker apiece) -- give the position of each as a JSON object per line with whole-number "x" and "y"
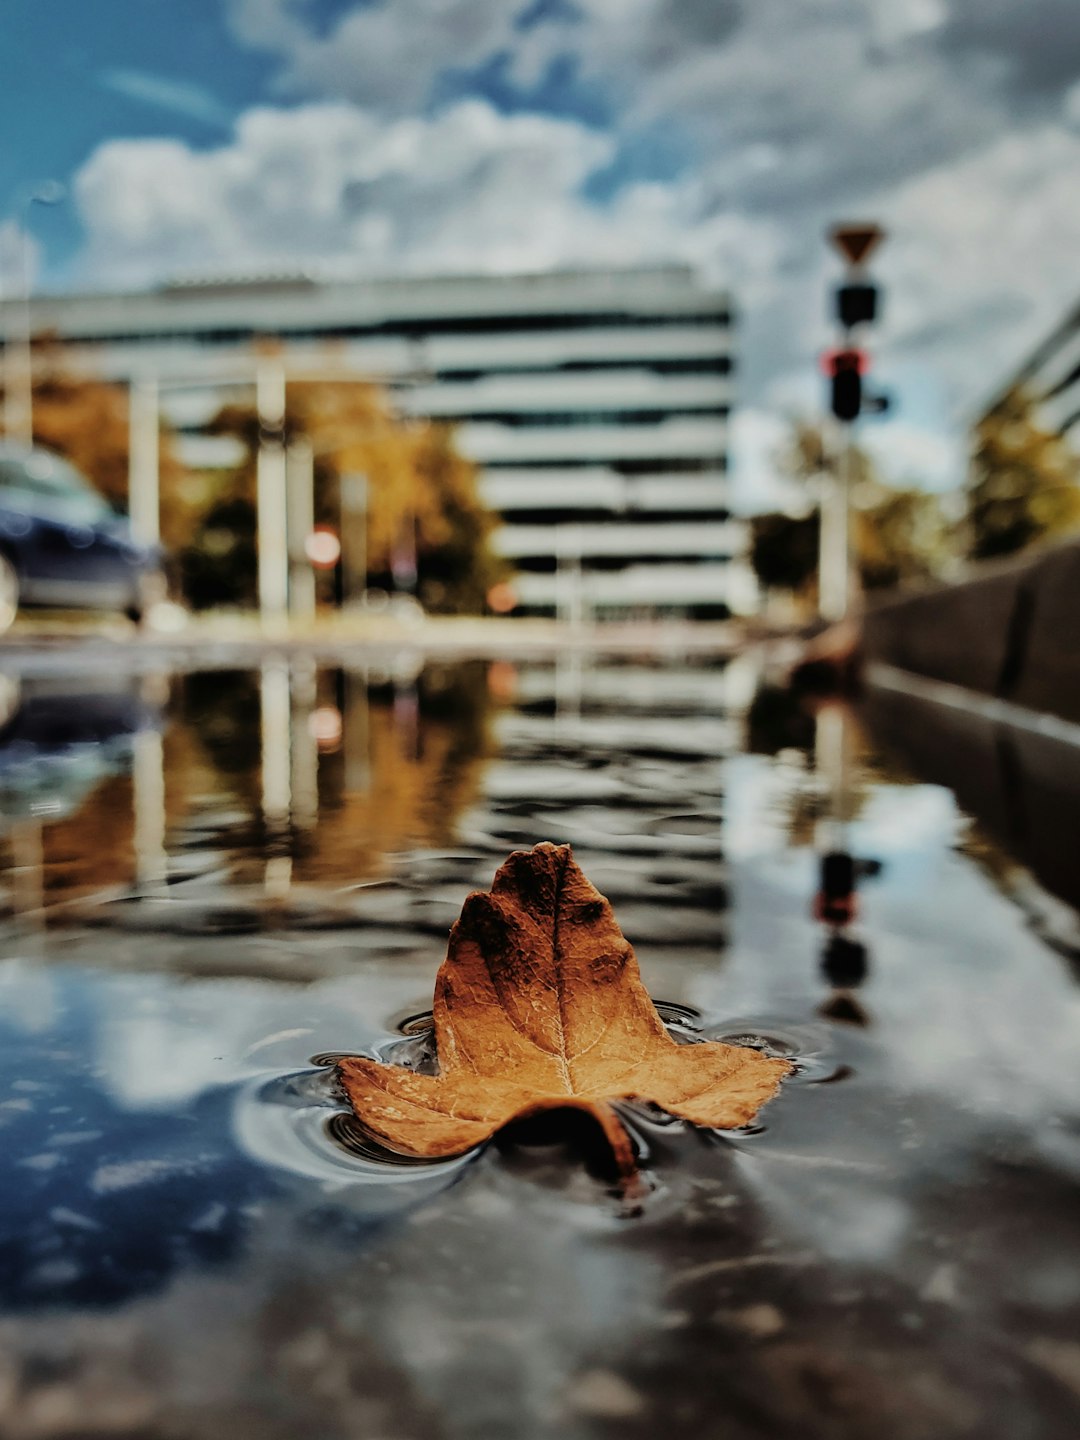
{"x": 300, "y": 1122}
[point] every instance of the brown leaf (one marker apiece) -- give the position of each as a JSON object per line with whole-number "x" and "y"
{"x": 538, "y": 1006}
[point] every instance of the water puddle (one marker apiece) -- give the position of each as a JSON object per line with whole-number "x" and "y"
{"x": 213, "y": 884}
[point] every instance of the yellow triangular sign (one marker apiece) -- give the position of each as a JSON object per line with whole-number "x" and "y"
{"x": 856, "y": 242}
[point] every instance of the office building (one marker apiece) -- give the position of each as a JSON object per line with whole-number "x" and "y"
{"x": 596, "y": 404}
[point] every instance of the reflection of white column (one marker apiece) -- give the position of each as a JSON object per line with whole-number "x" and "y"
{"x": 276, "y": 778}
{"x": 148, "y": 797}
{"x": 831, "y": 762}
{"x": 144, "y": 501}
{"x": 569, "y": 681}
{"x": 300, "y": 474}
{"x": 305, "y": 748}
{"x": 28, "y": 867}
{"x": 272, "y": 491}
{"x": 356, "y": 735}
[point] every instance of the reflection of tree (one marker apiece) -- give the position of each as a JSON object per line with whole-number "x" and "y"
{"x": 409, "y": 763}
{"x": 92, "y": 849}
{"x": 420, "y": 783}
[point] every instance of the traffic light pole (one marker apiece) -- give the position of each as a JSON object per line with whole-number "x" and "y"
{"x": 856, "y": 306}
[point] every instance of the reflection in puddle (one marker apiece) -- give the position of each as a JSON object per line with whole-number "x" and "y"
{"x": 246, "y": 874}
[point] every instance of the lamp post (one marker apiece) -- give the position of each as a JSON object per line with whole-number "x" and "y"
{"x": 18, "y": 344}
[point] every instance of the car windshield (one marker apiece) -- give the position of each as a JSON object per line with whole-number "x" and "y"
{"x": 46, "y": 485}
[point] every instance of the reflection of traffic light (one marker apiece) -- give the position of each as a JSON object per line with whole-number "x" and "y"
{"x": 835, "y": 902}
{"x": 844, "y": 962}
{"x": 845, "y": 367}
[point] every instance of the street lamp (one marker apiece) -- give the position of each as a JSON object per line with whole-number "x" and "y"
{"x": 18, "y": 347}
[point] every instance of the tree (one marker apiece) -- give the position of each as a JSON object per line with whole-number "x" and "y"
{"x": 1024, "y": 482}
{"x": 784, "y": 551}
{"x": 900, "y": 535}
{"x": 896, "y": 534}
{"x": 422, "y": 499}
{"x": 86, "y": 420}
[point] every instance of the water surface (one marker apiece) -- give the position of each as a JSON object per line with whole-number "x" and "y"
{"x": 214, "y": 881}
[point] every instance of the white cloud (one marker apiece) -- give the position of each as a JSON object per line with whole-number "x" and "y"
{"x": 758, "y": 440}
{"x": 912, "y": 455}
{"x": 374, "y": 55}
{"x": 982, "y": 258}
{"x": 953, "y": 122}
{"x": 333, "y": 185}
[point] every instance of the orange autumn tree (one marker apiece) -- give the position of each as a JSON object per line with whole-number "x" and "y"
{"x": 85, "y": 419}
{"x": 422, "y": 499}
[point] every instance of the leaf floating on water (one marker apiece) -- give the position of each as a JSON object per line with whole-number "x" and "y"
{"x": 539, "y": 1005}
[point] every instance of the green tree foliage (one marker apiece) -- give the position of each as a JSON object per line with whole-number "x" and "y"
{"x": 896, "y": 534}
{"x": 900, "y": 535}
{"x": 1024, "y": 482}
{"x": 784, "y": 551}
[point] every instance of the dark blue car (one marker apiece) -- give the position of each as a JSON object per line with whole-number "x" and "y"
{"x": 61, "y": 543}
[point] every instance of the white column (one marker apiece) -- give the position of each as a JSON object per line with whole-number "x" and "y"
{"x": 144, "y": 460}
{"x": 300, "y": 479}
{"x": 354, "y": 507}
{"x": 569, "y": 586}
{"x": 272, "y": 492}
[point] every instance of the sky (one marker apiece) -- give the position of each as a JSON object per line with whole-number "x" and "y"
{"x": 374, "y": 137}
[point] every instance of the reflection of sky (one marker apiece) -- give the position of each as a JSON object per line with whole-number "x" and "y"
{"x": 100, "y": 1201}
{"x": 974, "y": 1024}
{"x": 145, "y": 1118}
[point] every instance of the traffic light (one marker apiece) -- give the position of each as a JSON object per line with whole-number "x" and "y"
{"x": 845, "y": 368}
{"x": 856, "y": 304}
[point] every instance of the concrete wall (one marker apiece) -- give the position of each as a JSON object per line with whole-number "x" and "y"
{"x": 1013, "y": 630}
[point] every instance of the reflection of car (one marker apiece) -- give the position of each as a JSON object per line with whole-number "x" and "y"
{"x": 61, "y": 543}
{"x": 59, "y": 738}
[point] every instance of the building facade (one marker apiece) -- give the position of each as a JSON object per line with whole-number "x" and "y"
{"x": 596, "y": 403}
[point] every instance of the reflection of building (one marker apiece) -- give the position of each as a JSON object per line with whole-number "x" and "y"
{"x": 597, "y": 403}
{"x": 1051, "y": 376}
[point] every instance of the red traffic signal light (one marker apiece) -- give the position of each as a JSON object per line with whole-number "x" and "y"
{"x": 833, "y": 362}
{"x": 845, "y": 367}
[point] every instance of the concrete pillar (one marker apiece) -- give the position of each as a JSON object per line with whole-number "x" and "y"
{"x": 144, "y": 460}
{"x": 300, "y": 481}
{"x": 272, "y": 492}
{"x": 354, "y": 560}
